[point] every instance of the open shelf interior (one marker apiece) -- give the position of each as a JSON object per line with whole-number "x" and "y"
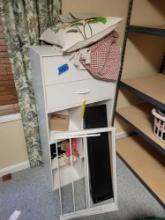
{"x": 145, "y": 13}
{"x": 63, "y": 162}
{"x": 75, "y": 176}
{"x": 145, "y": 162}
{"x": 68, "y": 162}
{"x": 143, "y": 59}
{"x": 74, "y": 119}
{"x": 68, "y": 173}
{"x": 67, "y": 120}
{"x": 140, "y": 117}
{"x": 151, "y": 88}
{"x": 69, "y": 130}
{"x": 63, "y": 153}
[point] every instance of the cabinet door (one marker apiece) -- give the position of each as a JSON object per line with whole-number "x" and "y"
{"x": 74, "y": 178}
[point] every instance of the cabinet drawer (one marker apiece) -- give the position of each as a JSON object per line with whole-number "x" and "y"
{"x": 69, "y": 95}
{"x": 70, "y": 74}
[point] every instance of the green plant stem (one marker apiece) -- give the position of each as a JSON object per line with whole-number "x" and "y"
{"x": 80, "y": 32}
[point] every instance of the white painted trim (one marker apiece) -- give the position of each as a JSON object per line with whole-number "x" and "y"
{"x": 121, "y": 134}
{"x": 90, "y": 211}
{"x": 25, "y": 164}
{"x": 14, "y": 168}
{"x": 12, "y": 117}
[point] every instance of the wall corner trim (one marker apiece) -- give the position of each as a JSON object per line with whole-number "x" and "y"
{"x": 9, "y": 118}
{"x": 14, "y": 168}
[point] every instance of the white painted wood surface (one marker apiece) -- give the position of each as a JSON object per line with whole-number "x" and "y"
{"x": 51, "y": 72}
{"x": 56, "y": 93}
{"x": 69, "y": 95}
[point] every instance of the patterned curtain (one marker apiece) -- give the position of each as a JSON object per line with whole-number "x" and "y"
{"x": 24, "y": 20}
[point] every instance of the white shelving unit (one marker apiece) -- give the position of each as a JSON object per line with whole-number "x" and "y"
{"x": 56, "y": 93}
{"x": 144, "y": 153}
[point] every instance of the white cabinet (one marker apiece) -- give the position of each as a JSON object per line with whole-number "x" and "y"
{"x": 50, "y": 66}
{"x": 62, "y": 96}
{"x": 59, "y": 92}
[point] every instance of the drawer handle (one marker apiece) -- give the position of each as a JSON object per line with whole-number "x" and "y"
{"x": 85, "y": 91}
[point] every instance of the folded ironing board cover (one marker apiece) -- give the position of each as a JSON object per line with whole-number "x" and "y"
{"x": 105, "y": 58}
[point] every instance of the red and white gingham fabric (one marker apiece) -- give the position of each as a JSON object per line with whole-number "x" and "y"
{"x": 105, "y": 58}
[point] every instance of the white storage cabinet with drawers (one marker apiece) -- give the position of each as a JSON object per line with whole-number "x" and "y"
{"x": 64, "y": 92}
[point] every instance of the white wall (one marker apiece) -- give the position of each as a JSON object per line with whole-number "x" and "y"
{"x": 12, "y": 142}
{"x": 12, "y": 145}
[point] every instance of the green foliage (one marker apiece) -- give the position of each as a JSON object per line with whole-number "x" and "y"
{"x": 103, "y": 20}
{"x": 83, "y": 22}
{"x": 73, "y": 31}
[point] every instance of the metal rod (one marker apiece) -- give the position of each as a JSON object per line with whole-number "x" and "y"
{"x": 71, "y": 162}
{"x": 79, "y": 134}
{"x": 89, "y": 135}
{"x": 162, "y": 130}
{"x": 87, "y": 174}
{"x": 81, "y": 156}
{"x": 113, "y": 159}
{"x": 122, "y": 57}
{"x": 58, "y": 171}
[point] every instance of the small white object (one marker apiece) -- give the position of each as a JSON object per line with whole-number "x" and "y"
{"x": 159, "y": 124}
{"x": 84, "y": 54}
{"x": 15, "y": 215}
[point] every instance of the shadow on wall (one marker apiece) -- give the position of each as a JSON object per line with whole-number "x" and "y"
{"x": 151, "y": 47}
{"x": 158, "y": 5}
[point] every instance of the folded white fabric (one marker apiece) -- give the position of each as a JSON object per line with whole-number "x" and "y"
{"x": 80, "y": 32}
{"x": 82, "y": 54}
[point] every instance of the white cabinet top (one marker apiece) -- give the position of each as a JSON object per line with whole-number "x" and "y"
{"x": 47, "y": 50}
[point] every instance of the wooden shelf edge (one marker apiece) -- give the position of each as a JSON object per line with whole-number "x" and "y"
{"x": 135, "y": 172}
{"x": 143, "y": 96}
{"x": 140, "y": 179}
{"x": 136, "y": 87}
{"x": 142, "y": 134}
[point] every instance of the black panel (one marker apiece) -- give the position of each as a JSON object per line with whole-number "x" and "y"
{"x": 95, "y": 116}
{"x": 98, "y": 155}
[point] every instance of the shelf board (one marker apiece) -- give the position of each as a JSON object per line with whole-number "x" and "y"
{"x": 147, "y": 164}
{"x": 139, "y": 117}
{"x": 149, "y": 88}
{"x": 151, "y": 30}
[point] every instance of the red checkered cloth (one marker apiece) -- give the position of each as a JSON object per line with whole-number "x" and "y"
{"x": 105, "y": 58}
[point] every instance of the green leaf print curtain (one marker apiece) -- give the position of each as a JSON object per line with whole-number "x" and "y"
{"x": 24, "y": 20}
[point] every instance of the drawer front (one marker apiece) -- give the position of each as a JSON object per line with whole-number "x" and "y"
{"x": 59, "y": 97}
{"x": 60, "y": 69}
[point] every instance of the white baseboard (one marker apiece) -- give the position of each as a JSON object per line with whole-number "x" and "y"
{"x": 9, "y": 118}
{"x": 24, "y": 165}
{"x": 14, "y": 168}
{"x": 121, "y": 134}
